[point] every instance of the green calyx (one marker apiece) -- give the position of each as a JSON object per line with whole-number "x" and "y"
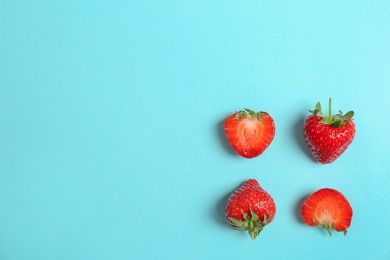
{"x": 329, "y": 228}
{"x": 249, "y": 114}
{"x": 251, "y": 223}
{"x": 332, "y": 120}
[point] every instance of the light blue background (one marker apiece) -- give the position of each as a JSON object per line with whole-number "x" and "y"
{"x": 111, "y": 126}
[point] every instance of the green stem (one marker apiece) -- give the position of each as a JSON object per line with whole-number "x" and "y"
{"x": 251, "y": 230}
{"x": 330, "y": 110}
{"x": 328, "y": 229}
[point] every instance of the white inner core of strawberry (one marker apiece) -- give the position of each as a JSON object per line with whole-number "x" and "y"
{"x": 325, "y": 219}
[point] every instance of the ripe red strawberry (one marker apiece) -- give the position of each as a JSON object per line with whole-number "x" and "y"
{"x": 328, "y": 208}
{"x": 249, "y": 132}
{"x": 328, "y": 136}
{"x": 250, "y": 208}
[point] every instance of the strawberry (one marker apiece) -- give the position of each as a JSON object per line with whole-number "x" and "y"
{"x": 328, "y": 136}
{"x": 327, "y": 208}
{"x": 250, "y": 208}
{"x": 249, "y": 132}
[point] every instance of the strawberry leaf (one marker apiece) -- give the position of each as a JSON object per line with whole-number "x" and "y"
{"x": 332, "y": 120}
{"x": 347, "y": 116}
{"x": 237, "y": 224}
{"x": 254, "y": 216}
{"x": 249, "y": 114}
{"x": 336, "y": 124}
{"x": 251, "y": 223}
{"x": 249, "y": 111}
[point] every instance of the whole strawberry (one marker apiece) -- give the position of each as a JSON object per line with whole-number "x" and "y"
{"x": 328, "y": 136}
{"x": 249, "y": 132}
{"x": 328, "y": 208}
{"x": 250, "y": 208}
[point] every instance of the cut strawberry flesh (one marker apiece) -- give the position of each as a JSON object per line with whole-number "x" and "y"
{"x": 250, "y": 136}
{"x": 329, "y": 208}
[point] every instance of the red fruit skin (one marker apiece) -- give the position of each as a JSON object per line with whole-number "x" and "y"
{"x": 325, "y": 142}
{"x": 327, "y": 207}
{"x": 250, "y": 137}
{"x": 250, "y": 196}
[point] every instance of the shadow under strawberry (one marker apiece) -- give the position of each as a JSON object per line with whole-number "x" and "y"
{"x": 219, "y": 210}
{"x": 299, "y": 138}
{"x": 298, "y": 208}
{"x": 220, "y": 205}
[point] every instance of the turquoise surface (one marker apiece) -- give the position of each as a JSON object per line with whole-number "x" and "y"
{"x": 111, "y": 126}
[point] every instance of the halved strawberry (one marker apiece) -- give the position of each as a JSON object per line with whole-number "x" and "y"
{"x": 249, "y": 132}
{"x": 328, "y": 208}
